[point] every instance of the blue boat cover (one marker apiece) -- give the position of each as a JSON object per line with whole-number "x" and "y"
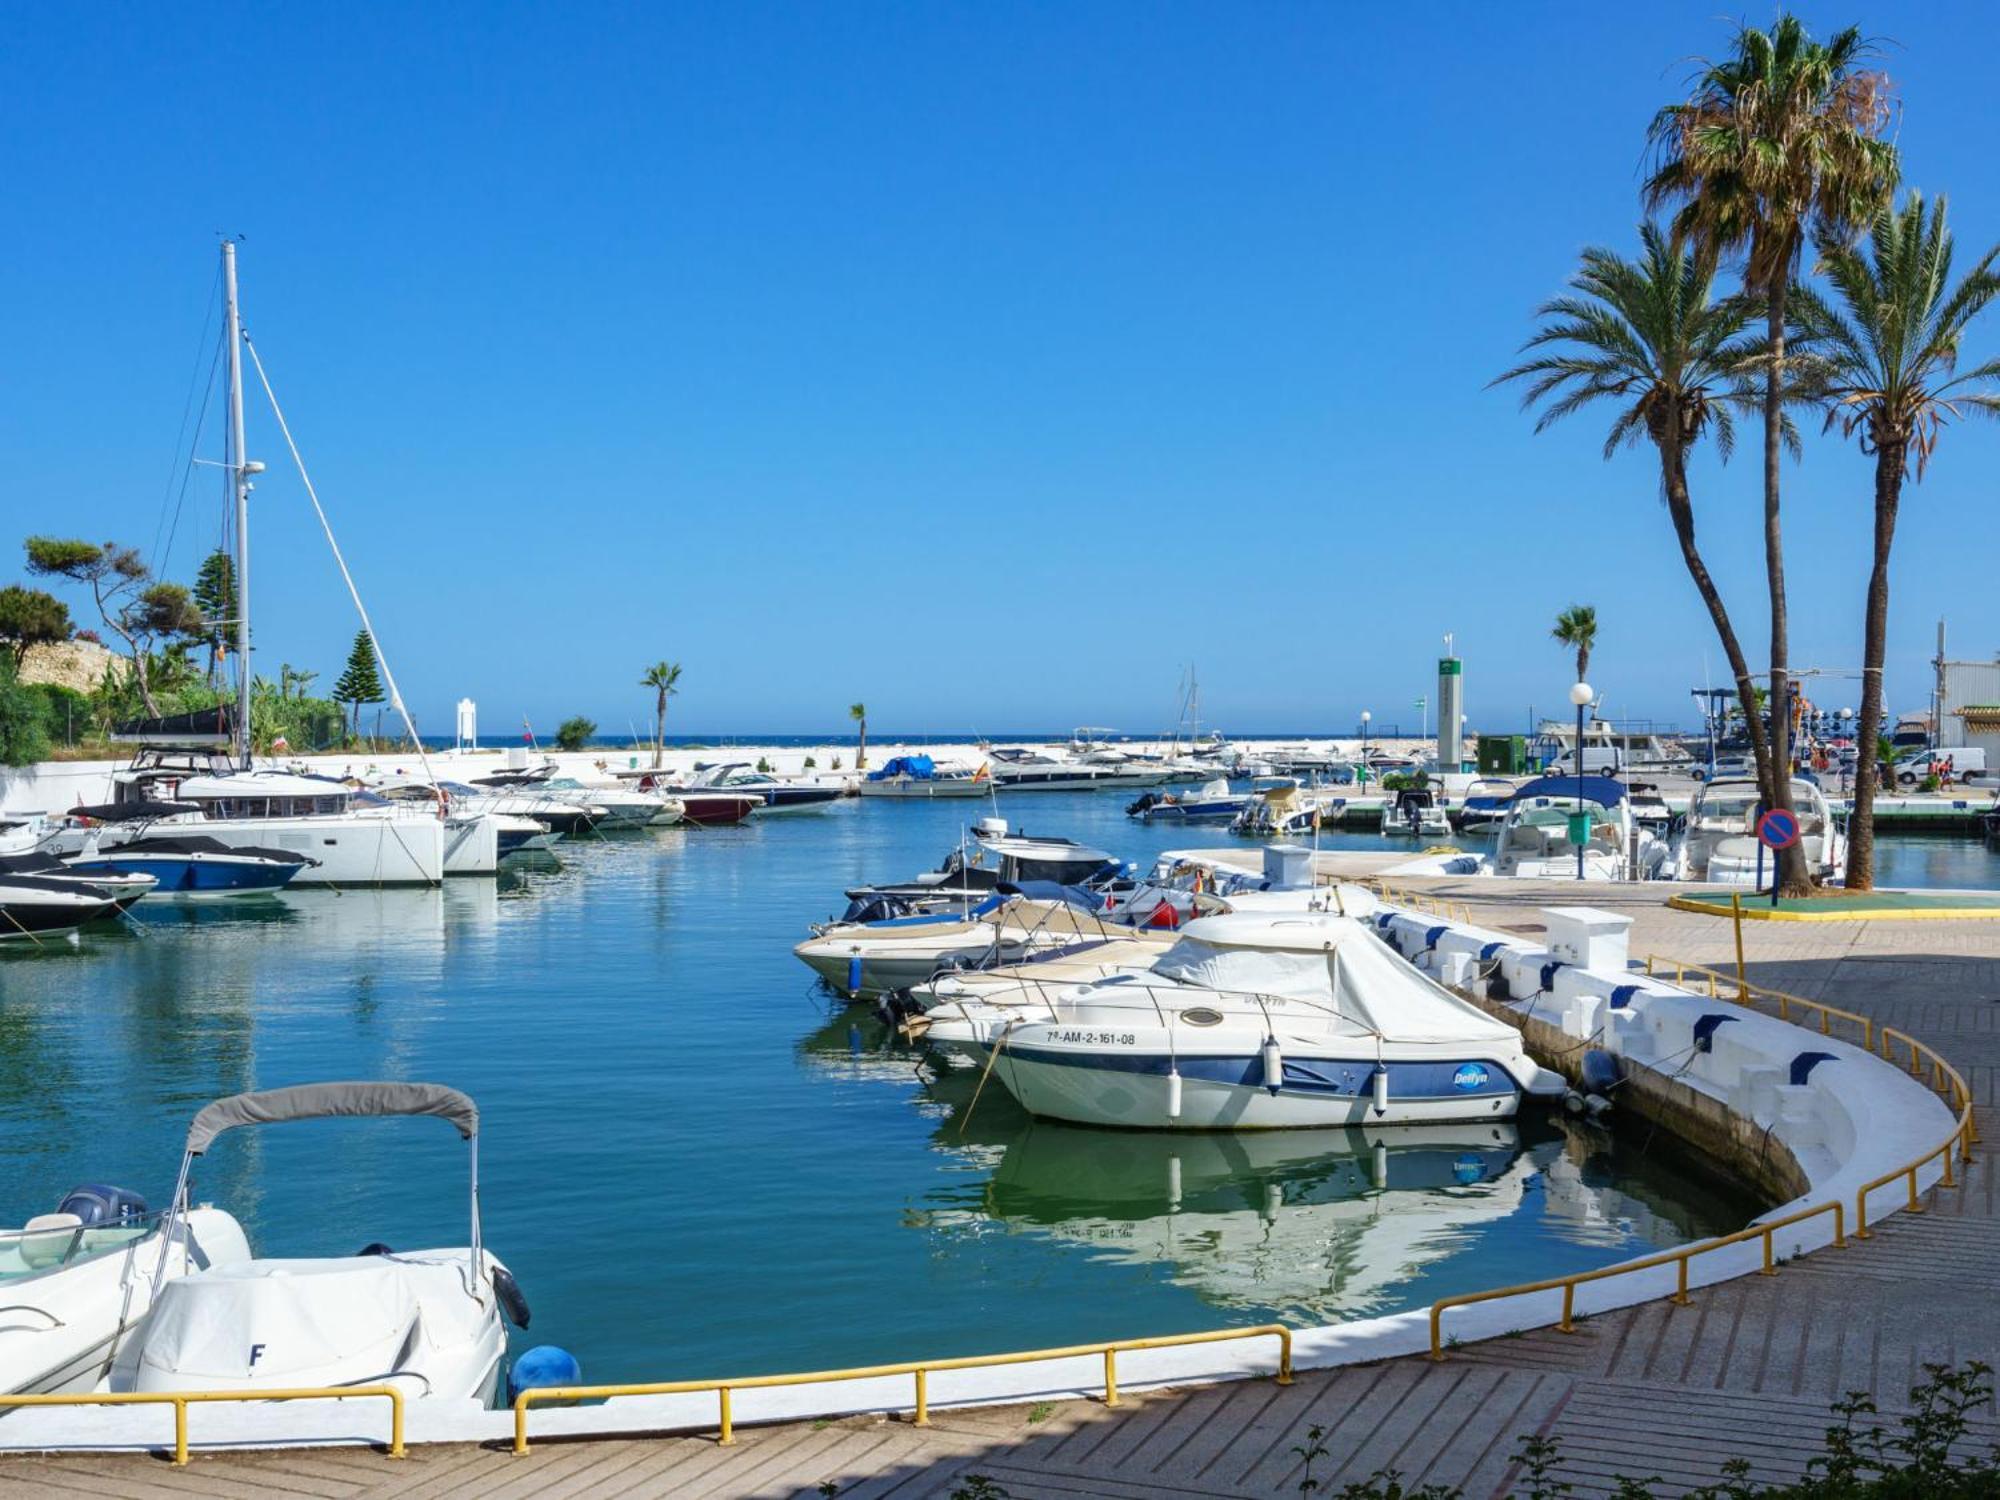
{"x": 917, "y": 767}
{"x": 1049, "y": 890}
{"x": 1602, "y": 790}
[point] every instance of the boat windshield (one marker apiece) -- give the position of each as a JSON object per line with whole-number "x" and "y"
{"x": 31, "y": 1252}
{"x": 1544, "y": 828}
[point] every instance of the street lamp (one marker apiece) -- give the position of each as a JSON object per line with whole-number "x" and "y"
{"x": 1362, "y": 770}
{"x": 1579, "y": 694}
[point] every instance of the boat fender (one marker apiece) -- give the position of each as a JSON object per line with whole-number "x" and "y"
{"x": 1596, "y": 1107}
{"x": 1381, "y": 1084}
{"x": 1173, "y": 1095}
{"x": 854, "y": 974}
{"x": 1598, "y": 1072}
{"x": 1549, "y": 973}
{"x": 1572, "y": 1102}
{"x": 543, "y": 1366}
{"x": 1274, "y": 1064}
{"x": 376, "y": 1247}
{"x": 513, "y": 1301}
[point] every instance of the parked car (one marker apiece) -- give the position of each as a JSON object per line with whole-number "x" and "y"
{"x": 1957, "y": 763}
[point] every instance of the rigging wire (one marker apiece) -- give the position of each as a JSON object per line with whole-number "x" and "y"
{"x": 298, "y": 461}
{"x": 186, "y": 469}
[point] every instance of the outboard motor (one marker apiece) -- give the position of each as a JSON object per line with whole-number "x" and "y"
{"x": 98, "y": 1206}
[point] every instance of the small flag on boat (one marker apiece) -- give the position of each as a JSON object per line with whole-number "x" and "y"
{"x": 280, "y": 743}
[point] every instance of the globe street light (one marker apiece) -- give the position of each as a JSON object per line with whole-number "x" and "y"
{"x": 1579, "y": 694}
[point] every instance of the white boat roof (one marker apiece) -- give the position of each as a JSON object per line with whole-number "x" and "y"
{"x": 1305, "y": 932}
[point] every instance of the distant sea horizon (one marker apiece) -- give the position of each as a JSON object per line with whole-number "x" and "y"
{"x": 884, "y": 737}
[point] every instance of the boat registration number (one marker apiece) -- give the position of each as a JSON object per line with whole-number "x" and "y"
{"x": 1096, "y": 1038}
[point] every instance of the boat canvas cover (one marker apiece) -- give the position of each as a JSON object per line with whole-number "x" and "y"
{"x": 1603, "y": 790}
{"x": 203, "y": 727}
{"x": 1331, "y": 961}
{"x": 316, "y": 1101}
{"x": 306, "y": 1314}
{"x": 916, "y": 767}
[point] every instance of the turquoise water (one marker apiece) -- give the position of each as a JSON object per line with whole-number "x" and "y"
{"x": 696, "y": 1166}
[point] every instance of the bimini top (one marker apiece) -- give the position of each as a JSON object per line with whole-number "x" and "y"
{"x": 1600, "y": 789}
{"x": 134, "y": 812}
{"x": 916, "y": 767}
{"x": 317, "y": 1101}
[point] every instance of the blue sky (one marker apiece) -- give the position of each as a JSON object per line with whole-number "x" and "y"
{"x": 987, "y": 363}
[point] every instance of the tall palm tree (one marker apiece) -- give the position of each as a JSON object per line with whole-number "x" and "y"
{"x": 663, "y": 677}
{"x": 1576, "y": 627}
{"x": 1647, "y": 338}
{"x": 858, "y": 712}
{"x": 1783, "y": 136}
{"x": 1883, "y": 359}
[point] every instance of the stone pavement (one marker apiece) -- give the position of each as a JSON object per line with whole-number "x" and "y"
{"x": 1748, "y": 1371}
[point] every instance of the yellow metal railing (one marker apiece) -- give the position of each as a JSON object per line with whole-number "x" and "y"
{"x": 1885, "y": 1042}
{"x": 1434, "y": 906}
{"x": 181, "y": 1400}
{"x": 1678, "y": 1257}
{"x": 920, "y": 1369}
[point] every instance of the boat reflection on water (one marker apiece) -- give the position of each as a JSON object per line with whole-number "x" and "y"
{"x": 1326, "y": 1225}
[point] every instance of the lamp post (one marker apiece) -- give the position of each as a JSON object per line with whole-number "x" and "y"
{"x": 1579, "y": 694}
{"x": 1362, "y": 769}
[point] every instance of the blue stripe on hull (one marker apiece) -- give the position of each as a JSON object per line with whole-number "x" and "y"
{"x": 1465, "y": 1078}
{"x": 187, "y": 876}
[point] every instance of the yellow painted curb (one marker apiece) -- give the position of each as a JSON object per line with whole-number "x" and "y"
{"x": 1704, "y": 906}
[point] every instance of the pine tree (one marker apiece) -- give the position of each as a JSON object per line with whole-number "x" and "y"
{"x": 215, "y": 593}
{"x": 359, "y": 682}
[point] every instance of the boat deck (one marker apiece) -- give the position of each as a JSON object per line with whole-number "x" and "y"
{"x": 1749, "y": 1370}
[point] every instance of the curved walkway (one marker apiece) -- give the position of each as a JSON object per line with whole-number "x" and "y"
{"x": 1748, "y": 1371}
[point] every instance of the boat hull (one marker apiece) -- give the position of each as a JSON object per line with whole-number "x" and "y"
{"x": 203, "y": 874}
{"x": 1227, "y": 1092}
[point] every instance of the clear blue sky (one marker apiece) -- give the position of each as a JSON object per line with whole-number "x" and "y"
{"x": 984, "y": 362}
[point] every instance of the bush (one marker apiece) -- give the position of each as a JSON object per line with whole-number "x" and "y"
{"x": 24, "y": 732}
{"x": 575, "y": 732}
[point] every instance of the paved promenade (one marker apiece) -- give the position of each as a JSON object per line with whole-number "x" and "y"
{"x": 1748, "y": 1371}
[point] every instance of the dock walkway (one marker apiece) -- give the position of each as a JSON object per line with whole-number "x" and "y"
{"x": 1748, "y": 1371}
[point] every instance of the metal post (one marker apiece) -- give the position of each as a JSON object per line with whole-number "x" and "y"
{"x": 1742, "y": 983}
{"x": 1110, "y": 1377}
{"x": 1579, "y": 784}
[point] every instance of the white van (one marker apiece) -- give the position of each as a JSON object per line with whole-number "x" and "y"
{"x": 1955, "y": 763}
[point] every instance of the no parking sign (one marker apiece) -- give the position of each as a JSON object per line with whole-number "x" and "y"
{"x": 1778, "y": 829}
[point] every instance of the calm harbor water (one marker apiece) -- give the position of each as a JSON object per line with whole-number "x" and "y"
{"x": 696, "y": 1166}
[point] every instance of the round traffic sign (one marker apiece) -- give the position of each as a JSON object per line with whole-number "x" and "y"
{"x": 1778, "y": 829}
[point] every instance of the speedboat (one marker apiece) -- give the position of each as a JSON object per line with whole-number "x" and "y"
{"x": 864, "y": 960}
{"x": 1549, "y": 820}
{"x": 516, "y": 828}
{"x": 705, "y": 807}
{"x": 1212, "y": 803}
{"x": 1719, "y": 841}
{"x": 31, "y": 908}
{"x": 193, "y": 864}
{"x": 1483, "y": 808}
{"x": 77, "y": 1281}
{"x": 1278, "y": 805}
{"x": 117, "y": 885}
{"x": 921, "y": 777}
{"x": 1415, "y": 812}
{"x": 1017, "y": 769}
{"x": 967, "y": 877}
{"x": 431, "y": 1322}
{"x": 1253, "y": 1022}
{"x": 779, "y": 796}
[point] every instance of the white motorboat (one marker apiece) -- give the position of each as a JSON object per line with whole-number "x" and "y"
{"x": 1017, "y": 769}
{"x": 920, "y": 777}
{"x": 864, "y": 960}
{"x": 31, "y": 910}
{"x": 75, "y": 1282}
{"x": 123, "y": 887}
{"x": 1253, "y": 1022}
{"x": 968, "y": 877}
{"x": 1415, "y": 812}
{"x": 1483, "y": 808}
{"x": 1551, "y": 819}
{"x": 780, "y": 796}
{"x": 432, "y": 1322}
{"x": 1278, "y": 805}
{"x": 1213, "y": 802}
{"x": 1719, "y": 842}
{"x": 515, "y": 828}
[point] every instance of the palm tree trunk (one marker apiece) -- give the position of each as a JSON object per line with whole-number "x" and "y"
{"x": 1875, "y": 649}
{"x": 659, "y": 730}
{"x": 1793, "y": 878}
{"x": 1680, "y": 506}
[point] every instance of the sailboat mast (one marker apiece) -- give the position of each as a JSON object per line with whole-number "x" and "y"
{"x": 239, "y": 476}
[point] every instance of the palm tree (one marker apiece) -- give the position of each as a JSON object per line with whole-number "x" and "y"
{"x": 1780, "y": 137}
{"x": 663, "y": 677}
{"x": 858, "y": 712}
{"x": 1647, "y": 336}
{"x": 1576, "y": 627}
{"x": 1884, "y": 363}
